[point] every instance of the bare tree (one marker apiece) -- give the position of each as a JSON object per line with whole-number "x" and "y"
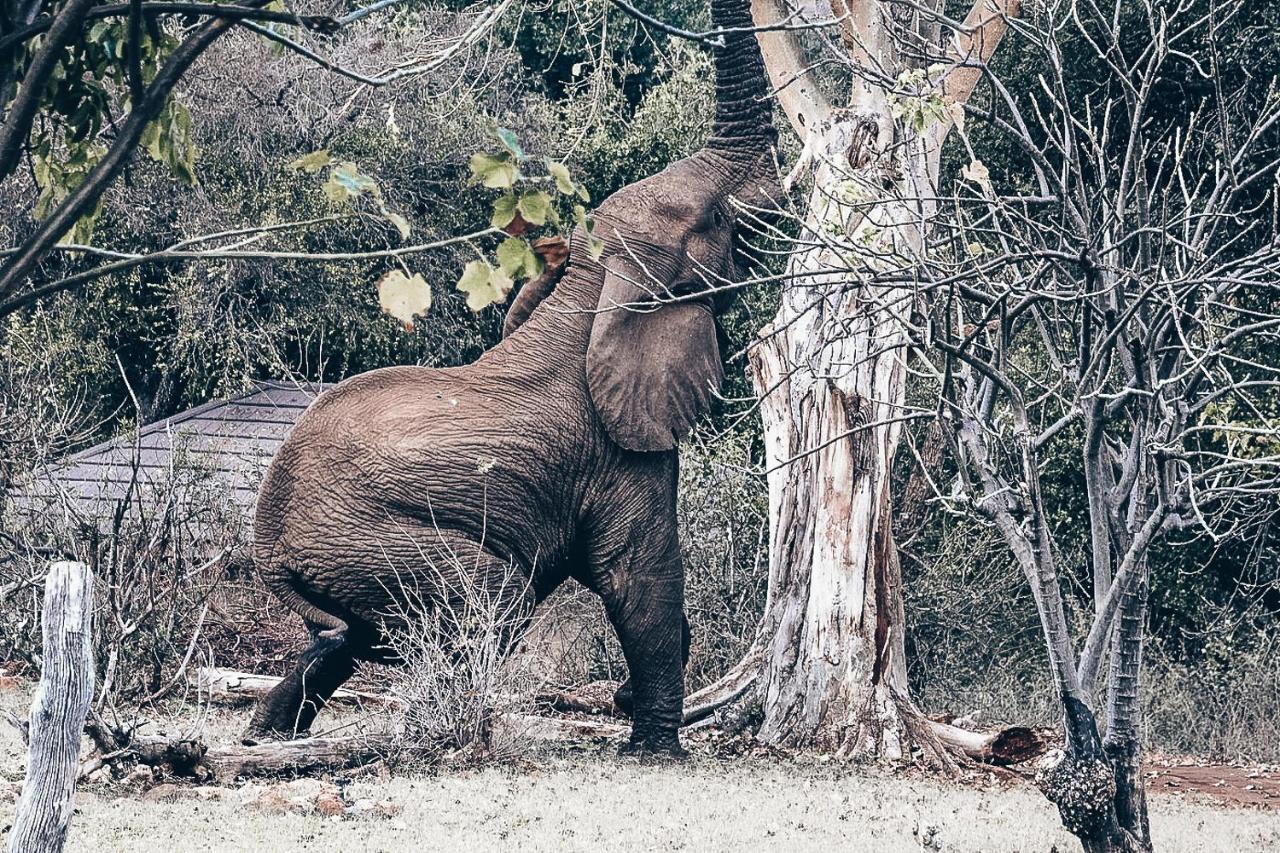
{"x": 1111, "y": 298}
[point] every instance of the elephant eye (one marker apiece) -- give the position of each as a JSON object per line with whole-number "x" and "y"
{"x": 711, "y": 218}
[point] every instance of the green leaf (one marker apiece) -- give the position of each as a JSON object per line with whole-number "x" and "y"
{"x": 347, "y": 182}
{"x": 151, "y": 141}
{"x": 336, "y": 192}
{"x": 313, "y": 162}
{"x": 484, "y": 285}
{"x": 535, "y": 207}
{"x": 516, "y": 258}
{"x": 595, "y": 247}
{"x": 504, "y": 210}
{"x": 509, "y": 142}
{"x": 496, "y": 171}
{"x": 564, "y": 183}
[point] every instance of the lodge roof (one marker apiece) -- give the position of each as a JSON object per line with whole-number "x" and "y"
{"x": 230, "y": 442}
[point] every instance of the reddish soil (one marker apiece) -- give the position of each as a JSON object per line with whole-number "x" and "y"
{"x": 1257, "y": 786}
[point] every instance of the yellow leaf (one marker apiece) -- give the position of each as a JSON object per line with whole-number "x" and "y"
{"x": 311, "y": 163}
{"x": 564, "y": 182}
{"x": 404, "y": 297}
{"x": 484, "y": 285}
{"x": 977, "y": 172}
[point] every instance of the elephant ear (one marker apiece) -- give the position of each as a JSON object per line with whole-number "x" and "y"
{"x": 652, "y": 369}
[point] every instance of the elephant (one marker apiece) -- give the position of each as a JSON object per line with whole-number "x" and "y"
{"x": 554, "y": 452}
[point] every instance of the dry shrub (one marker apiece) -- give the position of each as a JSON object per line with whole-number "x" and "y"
{"x": 973, "y": 640}
{"x": 1225, "y": 705}
{"x": 459, "y": 693}
{"x": 159, "y": 555}
{"x": 571, "y": 642}
{"x": 724, "y": 520}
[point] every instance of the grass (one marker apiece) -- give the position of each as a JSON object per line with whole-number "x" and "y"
{"x": 593, "y": 800}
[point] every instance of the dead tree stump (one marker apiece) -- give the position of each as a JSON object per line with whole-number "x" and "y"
{"x": 57, "y": 712}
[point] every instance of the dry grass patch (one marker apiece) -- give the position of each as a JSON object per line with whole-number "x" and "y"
{"x": 595, "y": 800}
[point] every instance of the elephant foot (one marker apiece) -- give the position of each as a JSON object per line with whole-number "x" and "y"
{"x": 665, "y": 747}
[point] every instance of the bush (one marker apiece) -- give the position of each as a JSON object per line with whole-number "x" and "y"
{"x": 459, "y": 694}
{"x": 1225, "y": 706}
{"x": 724, "y": 518}
{"x": 159, "y": 556}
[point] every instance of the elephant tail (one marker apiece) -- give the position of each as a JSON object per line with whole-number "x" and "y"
{"x": 288, "y": 586}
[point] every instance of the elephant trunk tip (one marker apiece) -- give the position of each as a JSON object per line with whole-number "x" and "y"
{"x": 744, "y": 115}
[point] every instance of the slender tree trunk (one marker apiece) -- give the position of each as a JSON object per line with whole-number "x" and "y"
{"x": 1123, "y": 744}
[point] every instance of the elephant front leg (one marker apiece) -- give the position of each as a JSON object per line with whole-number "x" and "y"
{"x": 623, "y": 698}
{"x": 649, "y": 622}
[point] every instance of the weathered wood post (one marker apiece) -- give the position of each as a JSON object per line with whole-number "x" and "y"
{"x": 57, "y": 712}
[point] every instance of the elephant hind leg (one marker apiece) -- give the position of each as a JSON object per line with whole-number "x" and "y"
{"x": 292, "y": 705}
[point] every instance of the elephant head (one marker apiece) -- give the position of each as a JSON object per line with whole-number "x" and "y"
{"x": 673, "y": 257}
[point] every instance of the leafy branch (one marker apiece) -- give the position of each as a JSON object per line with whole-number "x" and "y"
{"x": 69, "y": 67}
{"x": 522, "y": 206}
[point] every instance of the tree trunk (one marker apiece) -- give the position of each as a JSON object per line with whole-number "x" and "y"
{"x": 1083, "y": 786}
{"x": 831, "y": 375}
{"x": 830, "y": 372}
{"x": 57, "y": 712}
{"x": 1123, "y": 743}
{"x": 834, "y": 672}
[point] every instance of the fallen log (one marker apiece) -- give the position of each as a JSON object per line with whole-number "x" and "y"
{"x": 594, "y": 698}
{"x": 231, "y": 687}
{"x": 1003, "y": 746}
{"x": 187, "y": 757}
{"x": 291, "y": 757}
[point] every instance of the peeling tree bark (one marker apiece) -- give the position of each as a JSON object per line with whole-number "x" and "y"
{"x": 830, "y": 371}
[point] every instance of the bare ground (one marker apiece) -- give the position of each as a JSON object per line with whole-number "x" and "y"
{"x": 590, "y": 799}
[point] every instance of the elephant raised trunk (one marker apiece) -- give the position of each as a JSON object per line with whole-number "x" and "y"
{"x": 743, "y": 123}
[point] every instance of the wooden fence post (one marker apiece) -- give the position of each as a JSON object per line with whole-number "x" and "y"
{"x": 57, "y": 712}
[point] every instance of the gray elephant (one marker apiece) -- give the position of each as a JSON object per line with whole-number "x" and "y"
{"x": 554, "y": 452}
